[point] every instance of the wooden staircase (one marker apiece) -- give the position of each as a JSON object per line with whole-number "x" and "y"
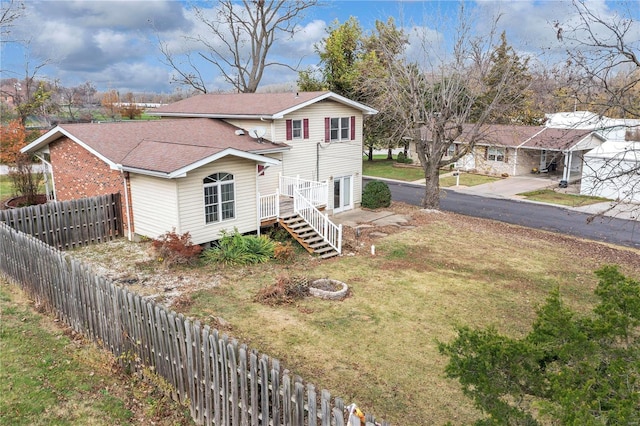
{"x": 306, "y": 235}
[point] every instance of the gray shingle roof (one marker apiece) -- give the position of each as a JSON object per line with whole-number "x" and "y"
{"x": 162, "y": 146}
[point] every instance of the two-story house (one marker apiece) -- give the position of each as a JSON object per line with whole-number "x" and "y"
{"x": 218, "y": 162}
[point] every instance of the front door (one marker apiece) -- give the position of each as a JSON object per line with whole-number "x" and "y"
{"x": 342, "y": 190}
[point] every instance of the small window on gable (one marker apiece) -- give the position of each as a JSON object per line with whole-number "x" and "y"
{"x": 219, "y": 197}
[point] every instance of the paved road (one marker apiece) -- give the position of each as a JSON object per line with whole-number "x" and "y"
{"x": 533, "y": 215}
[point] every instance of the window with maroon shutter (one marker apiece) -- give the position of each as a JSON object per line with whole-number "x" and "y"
{"x": 289, "y": 130}
{"x": 327, "y": 129}
{"x": 338, "y": 129}
{"x": 353, "y": 127}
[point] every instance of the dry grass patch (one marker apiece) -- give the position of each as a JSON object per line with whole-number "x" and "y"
{"x": 378, "y": 346}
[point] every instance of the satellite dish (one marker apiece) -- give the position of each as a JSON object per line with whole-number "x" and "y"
{"x": 257, "y": 132}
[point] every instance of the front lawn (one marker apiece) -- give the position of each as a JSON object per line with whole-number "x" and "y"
{"x": 388, "y": 169}
{"x": 385, "y": 169}
{"x": 378, "y": 347}
{"x": 555, "y": 197}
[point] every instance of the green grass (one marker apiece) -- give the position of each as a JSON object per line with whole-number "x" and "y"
{"x": 466, "y": 179}
{"x": 47, "y": 377}
{"x": 6, "y": 187}
{"x": 384, "y": 168}
{"x": 378, "y": 347}
{"x": 554, "y": 197}
{"x": 7, "y": 190}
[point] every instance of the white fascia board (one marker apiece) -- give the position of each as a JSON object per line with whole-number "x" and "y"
{"x": 341, "y": 99}
{"x": 182, "y": 172}
{"x": 272, "y": 151}
{"x": 54, "y": 134}
{"x": 218, "y": 116}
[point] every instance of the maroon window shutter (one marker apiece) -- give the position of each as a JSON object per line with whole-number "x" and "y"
{"x": 289, "y": 130}
{"x": 305, "y": 128}
{"x": 327, "y": 129}
{"x": 353, "y": 127}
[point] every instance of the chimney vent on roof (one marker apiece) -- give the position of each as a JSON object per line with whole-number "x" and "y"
{"x": 239, "y": 132}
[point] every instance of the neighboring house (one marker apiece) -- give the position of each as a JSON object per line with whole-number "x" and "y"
{"x": 518, "y": 150}
{"x": 218, "y": 162}
{"x": 601, "y": 153}
{"x": 612, "y": 169}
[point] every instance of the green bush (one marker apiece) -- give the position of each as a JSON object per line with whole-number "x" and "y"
{"x": 238, "y": 249}
{"x": 401, "y": 158}
{"x": 376, "y": 194}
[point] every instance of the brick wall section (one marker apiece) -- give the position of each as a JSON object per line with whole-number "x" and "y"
{"x": 77, "y": 173}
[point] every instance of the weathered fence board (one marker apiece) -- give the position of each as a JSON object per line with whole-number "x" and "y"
{"x": 69, "y": 224}
{"x": 223, "y": 382}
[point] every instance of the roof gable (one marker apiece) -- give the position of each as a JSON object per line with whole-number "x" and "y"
{"x": 251, "y": 105}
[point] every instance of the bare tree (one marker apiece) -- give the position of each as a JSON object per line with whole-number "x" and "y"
{"x": 10, "y": 10}
{"x": 603, "y": 57}
{"x": 433, "y": 99}
{"x": 239, "y": 38}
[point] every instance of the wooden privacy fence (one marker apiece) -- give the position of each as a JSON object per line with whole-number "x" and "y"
{"x": 69, "y": 224}
{"x": 223, "y": 382}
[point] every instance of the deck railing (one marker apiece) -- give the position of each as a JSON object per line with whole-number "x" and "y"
{"x": 269, "y": 206}
{"x": 319, "y": 221}
{"x": 316, "y": 192}
{"x": 307, "y": 196}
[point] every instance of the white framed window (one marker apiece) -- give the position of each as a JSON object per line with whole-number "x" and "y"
{"x": 340, "y": 128}
{"x": 496, "y": 154}
{"x": 451, "y": 151}
{"x": 296, "y": 129}
{"x": 219, "y": 197}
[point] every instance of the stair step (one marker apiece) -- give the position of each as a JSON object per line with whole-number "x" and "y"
{"x": 329, "y": 254}
{"x": 307, "y": 233}
{"x": 323, "y": 249}
{"x": 299, "y": 226}
{"x": 313, "y": 239}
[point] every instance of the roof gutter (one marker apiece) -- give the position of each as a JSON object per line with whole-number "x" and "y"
{"x": 220, "y": 116}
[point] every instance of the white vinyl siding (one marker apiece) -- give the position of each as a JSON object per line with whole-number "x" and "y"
{"x": 192, "y": 201}
{"x": 154, "y": 204}
{"x": 315, "y": 159}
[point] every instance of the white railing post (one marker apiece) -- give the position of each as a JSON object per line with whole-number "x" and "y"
{"x": 325, "y": 231}
{"x": 277, "y": 203}
{"x": 339, "y": 242}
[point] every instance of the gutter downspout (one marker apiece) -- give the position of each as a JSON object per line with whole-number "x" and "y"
{"x": 126, "y": 202}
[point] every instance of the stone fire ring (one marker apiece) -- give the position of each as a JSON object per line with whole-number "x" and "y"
{"x": 325, "y": 294}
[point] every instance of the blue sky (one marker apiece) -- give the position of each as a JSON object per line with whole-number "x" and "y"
{"x": 113, "y": 44}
